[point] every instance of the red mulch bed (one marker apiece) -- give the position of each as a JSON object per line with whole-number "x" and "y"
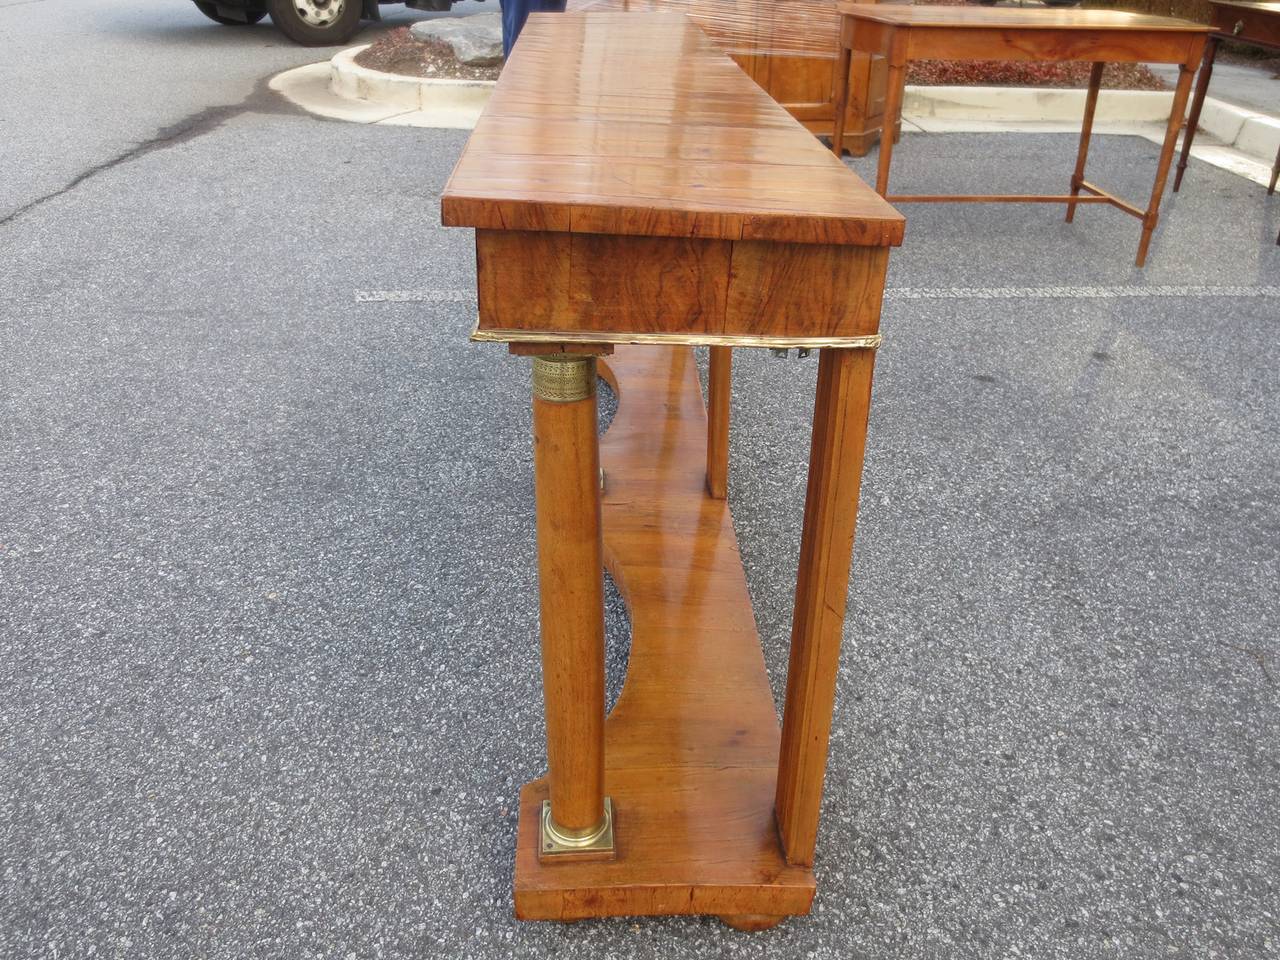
{"x": 398, "y": 52}
{"x": 998, "y": 73}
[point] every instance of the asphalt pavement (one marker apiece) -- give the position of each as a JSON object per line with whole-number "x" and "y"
{"x": 268, "y": 648}
{"x": 1254, "y": 86}
{"x": 89, "y": 83}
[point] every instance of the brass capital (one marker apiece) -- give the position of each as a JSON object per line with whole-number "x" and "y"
{"x": 564, "y": 378}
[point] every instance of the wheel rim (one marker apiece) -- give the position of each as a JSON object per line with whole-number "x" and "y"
{"x": 319, "y": 13}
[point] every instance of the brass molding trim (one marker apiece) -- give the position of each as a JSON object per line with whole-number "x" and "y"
{"x": 869, "y": 342}
{"x": 555, "y": 841}
{"x": 564, "y": 378}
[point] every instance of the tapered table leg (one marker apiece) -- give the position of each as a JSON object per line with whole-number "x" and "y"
{"x": 1180, "y": 95}
{"x": 1086, "y": 132}
{"x": 577, "y": 820}
{"x": 826, "y": 548}
{"x": 719, "y": 382}
{"x": 844, "y": 66}
{"x": 892, "y": 111}
{"x": 1197, "y": 103}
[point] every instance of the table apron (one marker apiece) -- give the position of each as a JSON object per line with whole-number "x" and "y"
{"x": 866, "y": 36}
{"x": 670, "y": 289}
{"x": 1095, "y": 46}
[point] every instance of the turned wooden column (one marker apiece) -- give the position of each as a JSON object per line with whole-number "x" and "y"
{"x": 826, "y": 549}
{"x": 1086, "y": 133}
{"x": 1181, "y": 93}
{"x": 577, "y": 818}
{"x": 1197, "y": 104}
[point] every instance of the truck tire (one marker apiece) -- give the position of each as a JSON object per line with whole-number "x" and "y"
{"x": 245, "y": 18}
{"x": 316, "y": 23}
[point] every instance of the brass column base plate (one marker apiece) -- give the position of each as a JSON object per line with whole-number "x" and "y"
{"x": 553, "y": 847}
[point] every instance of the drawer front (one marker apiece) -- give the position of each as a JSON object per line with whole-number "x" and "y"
{"x": 1247, "y": 26}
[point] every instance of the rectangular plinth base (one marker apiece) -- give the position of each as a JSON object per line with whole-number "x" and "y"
{"x": 695, "y": 852}
{"x": 691, "y": 749}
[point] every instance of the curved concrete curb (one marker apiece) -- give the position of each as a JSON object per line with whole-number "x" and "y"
{"x": 1233, "y": 138}
{"x": 449, "y": 101}
{"x": 341, "y": 89}
{"x": 1035, "y": 104}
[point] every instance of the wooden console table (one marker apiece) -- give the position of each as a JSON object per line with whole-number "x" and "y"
{"x": 1255, "y": 22}
{"x": 628, "y": 184}
{"x": 789, "y": 47}
{"x": 905, "y": 33}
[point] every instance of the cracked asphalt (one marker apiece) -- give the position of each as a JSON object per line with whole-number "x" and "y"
{"x": 268, "y": 650}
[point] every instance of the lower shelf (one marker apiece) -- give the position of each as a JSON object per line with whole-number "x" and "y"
{"x": 691, "y": 750}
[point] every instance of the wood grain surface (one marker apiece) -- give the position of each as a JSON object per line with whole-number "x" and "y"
{"x": 826, "y": 549}
{"x": 571, "y": 586}
{"x": 808, "y": 28}
{"x": 637, "y": 124}
{"x": 790, "y": 48}
{"x": 719, "y": 393}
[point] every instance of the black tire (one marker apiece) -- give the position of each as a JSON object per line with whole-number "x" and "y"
{"x": 248, "y": 18}
{"x": 305, "y": 21}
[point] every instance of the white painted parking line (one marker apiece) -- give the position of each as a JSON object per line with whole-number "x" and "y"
{"x": 1180, "y": 291}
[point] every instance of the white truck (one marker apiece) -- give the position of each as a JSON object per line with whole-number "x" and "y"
{"x": 312, "y": 23}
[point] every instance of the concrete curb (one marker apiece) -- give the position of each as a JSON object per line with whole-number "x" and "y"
{"x": 341, "y": 89}
{"x": 1034, "y": 104}
{"x": 1237, "y": 139}
{"x": 1249, "y": 131}
{"x": 441, "y": 103}
{"x": 1234, "y": 138}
